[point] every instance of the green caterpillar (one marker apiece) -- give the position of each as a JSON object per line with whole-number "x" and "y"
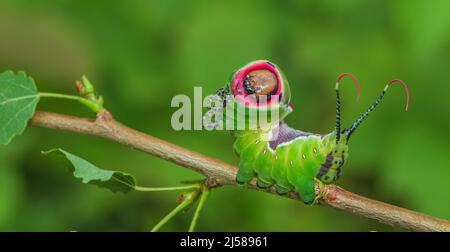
{"x": 274, "y": 153}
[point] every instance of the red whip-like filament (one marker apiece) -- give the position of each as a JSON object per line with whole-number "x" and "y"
{"x": 404, "y": 87}
{"x": 354, "y": 80}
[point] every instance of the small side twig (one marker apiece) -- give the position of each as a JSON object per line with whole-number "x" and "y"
{"x": 219, "y": 173}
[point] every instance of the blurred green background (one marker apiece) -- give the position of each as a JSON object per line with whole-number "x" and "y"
{"x": 140, "y": 54}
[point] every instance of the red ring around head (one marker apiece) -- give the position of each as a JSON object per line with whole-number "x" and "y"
{"x": 237, "y": 83}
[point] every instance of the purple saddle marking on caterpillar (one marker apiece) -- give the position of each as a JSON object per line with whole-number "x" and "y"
{"x": 286, "y": 134}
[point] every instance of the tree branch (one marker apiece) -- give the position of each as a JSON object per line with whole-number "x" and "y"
{"x": 219, "y": 173}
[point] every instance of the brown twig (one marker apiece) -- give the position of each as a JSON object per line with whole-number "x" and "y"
{"x": 219, "y": 173}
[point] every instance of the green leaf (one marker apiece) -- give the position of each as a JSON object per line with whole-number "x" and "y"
{"x": 18, "y": 100}
{"x": 91, "y": 174}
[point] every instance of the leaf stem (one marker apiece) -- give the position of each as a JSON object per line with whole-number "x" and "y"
{"x": 201, "y": 204}
{"x": 188, "y": 200}
{"x": 92, "y": 105}
{"x": 161, "y": 189}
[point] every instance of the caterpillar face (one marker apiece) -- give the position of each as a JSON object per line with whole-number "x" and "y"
{"x": 260, "y": 84}
{"x": 257, "y": 94}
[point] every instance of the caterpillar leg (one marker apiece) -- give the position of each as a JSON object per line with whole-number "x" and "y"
{"x": 262, "y": 183}
{"x": 247, "y": 160}
{"x": 245, "y": 173}
{"x": 283, "y": 190}
{"x": 306, "y": 189}
{"x": 263, "y": 167}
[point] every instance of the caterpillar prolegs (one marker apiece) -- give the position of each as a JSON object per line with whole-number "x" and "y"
{"x": 271, "y": 151}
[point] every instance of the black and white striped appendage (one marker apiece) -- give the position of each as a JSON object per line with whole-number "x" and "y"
{"x": 338, "y": 116}
{"x": 363, "y": 116}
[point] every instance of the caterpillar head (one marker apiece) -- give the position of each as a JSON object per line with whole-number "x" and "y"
{"x": 256, "y": 96}
{"x": 337, "y": 141}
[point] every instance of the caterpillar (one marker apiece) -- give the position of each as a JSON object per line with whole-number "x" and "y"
{"x": 286, "y": 158}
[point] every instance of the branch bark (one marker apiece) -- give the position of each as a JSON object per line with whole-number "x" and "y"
{"x": 219, "y": 173}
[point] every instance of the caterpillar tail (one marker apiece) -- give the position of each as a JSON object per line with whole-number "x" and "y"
{"x": 321, "y": 190}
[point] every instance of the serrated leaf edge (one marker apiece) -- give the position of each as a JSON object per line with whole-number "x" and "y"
{"x": 22, "y": 129}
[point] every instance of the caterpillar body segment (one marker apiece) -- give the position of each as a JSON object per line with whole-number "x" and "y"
{"x": 293, "y": 162}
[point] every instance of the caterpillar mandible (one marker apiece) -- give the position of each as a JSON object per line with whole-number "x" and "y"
{"x": 294, "y": 159}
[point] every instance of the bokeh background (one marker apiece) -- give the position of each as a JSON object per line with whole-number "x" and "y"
{"x": 139, "y": 54}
